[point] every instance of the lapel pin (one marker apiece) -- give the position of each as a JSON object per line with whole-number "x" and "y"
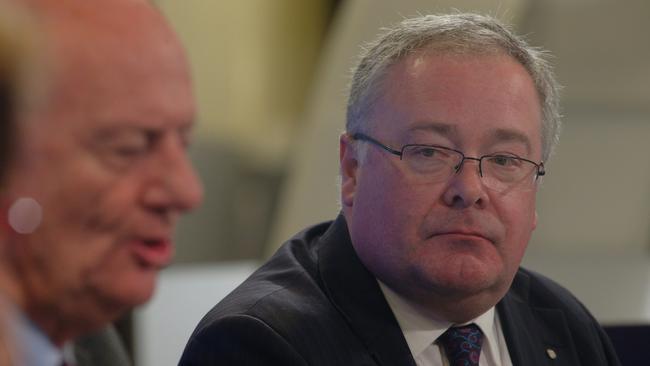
{"x": 551, "y": 353}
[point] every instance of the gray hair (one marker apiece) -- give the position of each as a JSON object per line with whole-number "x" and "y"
{"x": 451, "y": 34}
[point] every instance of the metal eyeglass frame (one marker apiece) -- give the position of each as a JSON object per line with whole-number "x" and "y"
{"x": 363, "y": 137}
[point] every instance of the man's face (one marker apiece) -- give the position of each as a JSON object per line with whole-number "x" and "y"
{"x": 106, "y": 159}
{"x": 457, "y": 238}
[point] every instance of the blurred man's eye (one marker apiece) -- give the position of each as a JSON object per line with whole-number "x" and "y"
{"x": 119, "y": 149}
{"x": 130, "y": 151}
{"x": 131, "y": 144}
{"x": 121, "y": 156}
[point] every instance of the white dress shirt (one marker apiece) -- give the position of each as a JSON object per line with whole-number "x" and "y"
{"x": 32, "y": 346}
{"x": 421, "y": 331}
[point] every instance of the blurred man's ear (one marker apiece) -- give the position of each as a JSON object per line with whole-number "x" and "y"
{"x": 6, "y": 232}
{"x": 349, "y": 160}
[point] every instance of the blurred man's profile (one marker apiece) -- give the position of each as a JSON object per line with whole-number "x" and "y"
{"x": 98, "y": 176}
{"x": 17, "y": 52}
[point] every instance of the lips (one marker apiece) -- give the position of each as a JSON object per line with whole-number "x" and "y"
{"x": 464, "y": 225}
{"x": 478, "y": 231}
{"x": 153, "y": 252}
{"x": 461, "y": 235}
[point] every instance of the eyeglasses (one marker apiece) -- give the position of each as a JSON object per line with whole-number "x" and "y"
{"x": 436, "y": 164}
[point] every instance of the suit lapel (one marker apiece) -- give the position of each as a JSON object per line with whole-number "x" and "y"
{"x": 356, "y": 294}
{"x": 535, "y": 336}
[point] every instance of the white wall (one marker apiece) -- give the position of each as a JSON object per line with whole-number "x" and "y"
{"x": 184, "y": 295}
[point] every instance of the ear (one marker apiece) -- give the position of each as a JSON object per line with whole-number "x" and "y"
{"x": 348, "y": 165}
{"x": 535, "y": 220}
{"x": 6, "y": 232}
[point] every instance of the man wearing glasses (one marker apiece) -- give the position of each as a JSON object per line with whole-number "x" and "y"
{"x": 450, "y": 120}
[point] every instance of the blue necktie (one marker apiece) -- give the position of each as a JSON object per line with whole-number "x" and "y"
{"x": 462, "y": 345}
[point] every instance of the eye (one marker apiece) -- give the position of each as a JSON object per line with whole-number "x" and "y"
{"x": 121, "y": 148}
{"x": 130, "y": 146}
{"x": 505, "y": 161}
{"x": 427, "y": 152}
{"x": 129, "y": 150}
{"x": 424, "y": 151}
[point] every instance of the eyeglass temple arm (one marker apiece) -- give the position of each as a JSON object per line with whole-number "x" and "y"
{"x": 540, "y": 169}
{"x": 362, "y": 137}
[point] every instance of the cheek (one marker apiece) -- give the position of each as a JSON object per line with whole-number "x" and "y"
{"x": 94, "y": 202}
{"x": 386, "y": 206}
{"x": 82, "y": 222}
{"x": 389, "y": 213}
{"x": 120, "y": 279}
{"x": 519, "y": 219}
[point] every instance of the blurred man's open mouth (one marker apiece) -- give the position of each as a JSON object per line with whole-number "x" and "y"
{"x": 153, "y": 252}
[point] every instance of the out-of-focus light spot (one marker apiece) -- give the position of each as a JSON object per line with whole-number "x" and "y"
{"x": 25, "y": 215}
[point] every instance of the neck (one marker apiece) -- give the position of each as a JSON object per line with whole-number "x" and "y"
{"x": 460, "y": 311}
{"x": 455, "y": 308}
{"x": 15, "y": 289}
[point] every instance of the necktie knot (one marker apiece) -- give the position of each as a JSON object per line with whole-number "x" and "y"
{"x": 462, "y": 345}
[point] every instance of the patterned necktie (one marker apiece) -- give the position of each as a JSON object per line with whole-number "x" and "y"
{"x": 462, "y": 345}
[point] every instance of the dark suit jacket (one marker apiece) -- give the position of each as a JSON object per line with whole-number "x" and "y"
{"x": 314, "y": 303}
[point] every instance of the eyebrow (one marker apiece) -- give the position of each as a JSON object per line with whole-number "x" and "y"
{"x": 510, "y": 135}
{"x": 113, "y": 130}
{"x": 499, "y": 135}
{"x": 439, "y": 128}
{"x": 110, "y": 132}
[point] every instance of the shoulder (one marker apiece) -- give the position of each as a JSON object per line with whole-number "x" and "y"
{"x": 289, "y": 281}
{"x": 272, "y": 314}
{"x": 239, "y": 339}
{"x": 542, "y": 292}
{"x": 560, "y": 315}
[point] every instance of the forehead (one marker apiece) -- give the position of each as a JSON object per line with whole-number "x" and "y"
{"x": 459, "y": 95}
{"x": 119, "y": 63}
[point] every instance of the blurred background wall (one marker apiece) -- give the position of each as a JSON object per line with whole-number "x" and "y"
{"x": 271, "y": 79}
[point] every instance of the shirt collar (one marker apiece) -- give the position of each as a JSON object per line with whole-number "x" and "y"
{"x": 421, "y": 329}
{"x": 33, "y": 347}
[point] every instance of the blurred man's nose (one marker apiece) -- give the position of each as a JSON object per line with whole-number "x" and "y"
{"x": 185, "y": 184}
{"x": 178, "y": 187}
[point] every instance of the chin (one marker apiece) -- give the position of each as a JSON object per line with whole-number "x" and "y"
{"x": 139, "y": 290}
{"x": 468, "y": 278}
{"x": 124, "y": 292}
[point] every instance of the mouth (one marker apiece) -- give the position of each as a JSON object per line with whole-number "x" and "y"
{"x": 464, "y": 236}
{"x": 153, "y": 252}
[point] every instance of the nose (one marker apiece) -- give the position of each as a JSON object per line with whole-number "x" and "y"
{"x": 465, "y": 188}
{"x": 176, "y": 187}
{"x": 185, "y": 185}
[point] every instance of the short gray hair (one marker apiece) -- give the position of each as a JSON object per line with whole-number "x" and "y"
{"x": 460, "y": 33}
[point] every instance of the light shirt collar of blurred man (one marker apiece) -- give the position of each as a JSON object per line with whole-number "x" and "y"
{"x": 32, "y": 345}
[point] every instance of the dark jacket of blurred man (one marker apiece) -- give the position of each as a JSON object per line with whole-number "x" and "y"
{"x": 99, "y": 175}
{"x": 450, "y": 121}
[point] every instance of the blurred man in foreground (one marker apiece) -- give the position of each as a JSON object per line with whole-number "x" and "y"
{"x": 450, "y": 121}
{"x": 100, "y": 172}
{"x": 13, "y": 36}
